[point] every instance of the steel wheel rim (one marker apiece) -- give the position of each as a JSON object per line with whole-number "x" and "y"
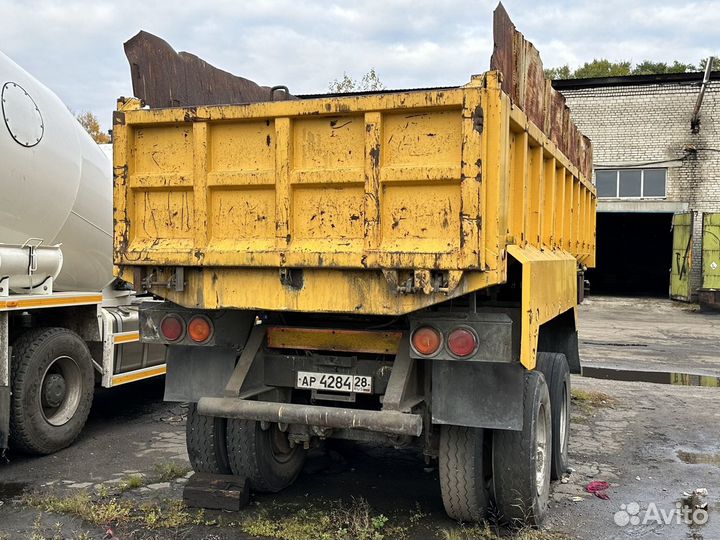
{"x": 564, "y": 420}
{"x": 541, "y": 441}
{"x": 69, "y": 370}
{"x": 280, "y": 445}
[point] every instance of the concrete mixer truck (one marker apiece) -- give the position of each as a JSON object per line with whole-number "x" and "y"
{"x": 66, "y": 324}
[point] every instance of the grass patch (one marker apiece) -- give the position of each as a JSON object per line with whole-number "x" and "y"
{"x": 355, "y": 520}
{"x": 586, "y": 400}
{"x": 486, "y": 531}
{"x": 170, "y": 470}
{"x": 81, "y": 505}
{"x": 166, "y": 514}
{"x": 134, "y": 481}
{"x": 172, "y": 514}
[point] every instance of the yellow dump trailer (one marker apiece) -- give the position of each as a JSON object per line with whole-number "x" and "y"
{"x": 407, "y": 253}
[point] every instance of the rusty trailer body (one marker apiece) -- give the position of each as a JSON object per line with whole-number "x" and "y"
{"x": 380, "y": 204}
{"x": 413, "y": 256}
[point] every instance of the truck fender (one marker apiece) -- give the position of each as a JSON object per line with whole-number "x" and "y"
{"x": 560, "y": 335}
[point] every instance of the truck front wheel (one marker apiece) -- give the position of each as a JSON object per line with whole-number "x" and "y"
{"x": 521, "y": 459}
{"x": 463, "y": 482}
{"x": 52, "y": 390}
{"x": 264, "y": 457}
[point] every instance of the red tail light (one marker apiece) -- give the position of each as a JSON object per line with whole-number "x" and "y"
{"x": 199, "y": 328}
{"x": 426, "y": 340}
{"x": 172, "y": 327}
{"x": 462, "y": 342}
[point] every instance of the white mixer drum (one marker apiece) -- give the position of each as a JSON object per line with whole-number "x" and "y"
{"x": 56, "y": 183}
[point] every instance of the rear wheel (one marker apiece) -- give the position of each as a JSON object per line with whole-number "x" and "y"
{"x": 206, "y": 441}
{"x": 263, "y": 456}
{"x": 462, "y": 473}
{"x": 521, "y": 459}
{"x": 554, "y": 367}
{"x": 52, "y": 390}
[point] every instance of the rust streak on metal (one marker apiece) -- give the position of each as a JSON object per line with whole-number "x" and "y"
{"x": 524, "y": 81}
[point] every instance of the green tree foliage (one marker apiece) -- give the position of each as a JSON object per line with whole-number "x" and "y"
{"x": 91, "y": 124}
{"x": 605, "y": 68}
{"x": 602, "y": 68}
{"x": 704, "y": 61}
{"x": 369, "y": 82}
{"x": 653, "y": 68}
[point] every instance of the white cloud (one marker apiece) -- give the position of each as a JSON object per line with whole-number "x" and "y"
{"x": 75, "y": 47}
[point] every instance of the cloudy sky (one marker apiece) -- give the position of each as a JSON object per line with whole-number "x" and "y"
{"x": 75, "y": 47}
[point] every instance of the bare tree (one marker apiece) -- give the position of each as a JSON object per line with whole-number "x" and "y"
{"x": 368, "y": 83}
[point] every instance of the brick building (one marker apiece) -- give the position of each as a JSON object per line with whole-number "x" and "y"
{"x": 650, "y": 164}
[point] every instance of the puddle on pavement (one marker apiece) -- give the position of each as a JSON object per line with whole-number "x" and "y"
{"x": 699, "y": 458}
{"x": 659, "y": 377}
{"x": 10, "y": 490}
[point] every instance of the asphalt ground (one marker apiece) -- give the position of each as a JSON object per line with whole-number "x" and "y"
{"x": 654, "y": 444}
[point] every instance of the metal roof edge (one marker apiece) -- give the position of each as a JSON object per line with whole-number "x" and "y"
{"x": 632, "y": 80}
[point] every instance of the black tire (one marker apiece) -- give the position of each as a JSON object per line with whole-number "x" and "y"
{"x": 53, "y": 382}
{"x": 205, "y": 438}
{"x": 554, "y": 367}
{"x": 521, "y": 492}
{"x": 463, "y": 481}
{"x": 263, "y": 457}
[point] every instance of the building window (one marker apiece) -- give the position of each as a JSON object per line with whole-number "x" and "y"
{"x": 630, "y": 183}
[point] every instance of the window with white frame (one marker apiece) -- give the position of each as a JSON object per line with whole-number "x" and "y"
{"x": 631, "y": 183}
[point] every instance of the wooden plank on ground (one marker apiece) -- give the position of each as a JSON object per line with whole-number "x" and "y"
{"x": 216, "y": 492}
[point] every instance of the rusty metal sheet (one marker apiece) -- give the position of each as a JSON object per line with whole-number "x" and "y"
{"x": 557, "y": 106}
{"x": 502, "y": 56}
{"x": 587, "y": 156}
{"x": 524, "y": 81}
{"x": 534, "y": 101}
{"x": 162, "y": 77}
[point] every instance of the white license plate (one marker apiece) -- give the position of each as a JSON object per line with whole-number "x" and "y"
{"x": 334, "y": 382}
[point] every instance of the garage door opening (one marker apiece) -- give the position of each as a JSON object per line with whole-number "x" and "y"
{"x": 633, "y": 254}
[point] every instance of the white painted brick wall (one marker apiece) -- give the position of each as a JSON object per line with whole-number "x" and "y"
{"x": 651, "y": 123}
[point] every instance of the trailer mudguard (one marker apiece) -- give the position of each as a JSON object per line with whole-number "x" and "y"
{"x": 195, "y": 372}
{"x": 477, "y": 394}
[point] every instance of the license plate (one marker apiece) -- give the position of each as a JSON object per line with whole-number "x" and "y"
{"x": 334, "y": 382}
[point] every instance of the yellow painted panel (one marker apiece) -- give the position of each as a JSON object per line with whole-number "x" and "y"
{"x": 426, "y": 221}
{"x": 328, "y": 142}
{"x": 163, "y": 149}
{"x": 164, "y": 214}
{"x": 549, "y": 288}
{"x": 244, "y": 216}
{"x": 117, "y": 380}
{"x": 328, "y": 212}
{"x": 50, "y": 301}
{"x": 342, "y": 187}
{"x": 323, "y": 290}
{"x": 422, "y": 138}
{"x": 242, "y": 146}
{"x": 321, "y": 339}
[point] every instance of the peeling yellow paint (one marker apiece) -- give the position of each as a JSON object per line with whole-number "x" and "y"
{"x": 431, "y": 187}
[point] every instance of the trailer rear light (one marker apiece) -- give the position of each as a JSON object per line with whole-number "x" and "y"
{"x": 426, "y": 340}
{"x": 199, "y": 329}
{"x": 462, "y": 342}
{"x": 172, "y": 327}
